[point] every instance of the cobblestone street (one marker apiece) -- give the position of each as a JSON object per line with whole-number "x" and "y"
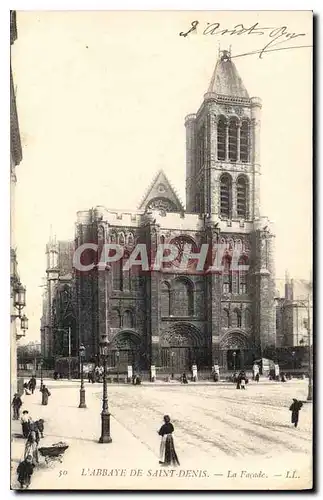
{"x": 219, "y": 432}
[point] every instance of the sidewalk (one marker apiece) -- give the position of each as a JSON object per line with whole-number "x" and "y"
{"x": 80, "y": 429}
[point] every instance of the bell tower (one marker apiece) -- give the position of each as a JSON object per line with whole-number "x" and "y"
{"x": 222, "y": 148}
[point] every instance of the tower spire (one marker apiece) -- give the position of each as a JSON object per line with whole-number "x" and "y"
{"x": 225, "y": 79}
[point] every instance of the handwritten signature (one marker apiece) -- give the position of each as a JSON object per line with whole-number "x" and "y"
{"x": 278, "y": 35}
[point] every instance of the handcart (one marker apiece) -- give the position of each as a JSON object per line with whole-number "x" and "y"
{"x": 53, "y": 452}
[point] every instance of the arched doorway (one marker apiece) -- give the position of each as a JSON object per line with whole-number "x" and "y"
{"x": 235, "y": 351}
{"x": 124, "y": 352}
{"x": 182, "y": 346}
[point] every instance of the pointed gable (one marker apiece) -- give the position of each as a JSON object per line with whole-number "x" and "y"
{"x": 226, "y": 80}
{"x": 161, "y": 196}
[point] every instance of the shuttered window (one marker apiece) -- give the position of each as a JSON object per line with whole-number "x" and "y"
{"x": 242, "y": 190}
{"x": 244, "y": 142}
{"x": 225, "y": 196}
{"x": 233, "y": 140}
{"x": 222, "y": 139}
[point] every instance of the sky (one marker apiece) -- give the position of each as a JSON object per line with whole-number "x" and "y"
{"x": 102, "y": 98}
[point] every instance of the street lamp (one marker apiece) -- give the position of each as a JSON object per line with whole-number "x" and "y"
{"x": 82, "y": 390}
{"x": 20, "y": 297}
{"x": 234, "y": 360}
{"x": 118, "y": 359}
{"x": 105, "y": 415}
{"x": 24, "y": 322}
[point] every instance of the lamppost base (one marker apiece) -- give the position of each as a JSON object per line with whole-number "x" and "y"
{"x": 105, "y": 439}
{"x": 82, "y": 399}
{"x": 105, "y": 428}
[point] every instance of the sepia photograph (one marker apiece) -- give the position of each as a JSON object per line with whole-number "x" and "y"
{"x": 161, "y": 253}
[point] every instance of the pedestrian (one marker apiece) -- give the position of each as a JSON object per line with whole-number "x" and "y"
{"x": 26, "y": 388}
{"x": 295, "y": 408}
{"x": 184, "y": 378}
{"x": 238, "y": 381}
{"x": 32, "y": 384}
{"x": 283, "y": 378}
{"x": 31, "y": 446}
{"x": 243, "y": 383}
{"x": 45, "y": 395}
{"x": 25, "y": 423}
{"x": 24, "y": 471}
{"x": 168, "y": 454}
{"x": 16, "y": 405}
{"x": 257, "y": 377}
{"x": 40, "y": 426}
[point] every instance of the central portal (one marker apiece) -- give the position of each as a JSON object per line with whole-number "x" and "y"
{"x": 182, "y": 347}
{"x": 176, "y": 359}
{"x": 234, "y": 359}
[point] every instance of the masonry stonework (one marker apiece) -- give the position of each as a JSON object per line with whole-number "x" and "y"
{"x": 172, "y": 318}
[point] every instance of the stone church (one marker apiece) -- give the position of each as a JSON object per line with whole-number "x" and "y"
{"x": 175, "y": 319}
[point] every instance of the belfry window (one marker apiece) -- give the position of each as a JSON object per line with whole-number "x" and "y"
{"x": 244, "y": 142}
{"x": 222, "y": 139}
{"x": 233, "y": 140}
{"x": 242, "y": 192}
{"x": 225, "y": 196}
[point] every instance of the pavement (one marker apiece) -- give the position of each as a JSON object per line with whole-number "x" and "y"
{"x": 219, "y": 432}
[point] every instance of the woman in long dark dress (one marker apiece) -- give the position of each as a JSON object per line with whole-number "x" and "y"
{"x": 168, "y": 454}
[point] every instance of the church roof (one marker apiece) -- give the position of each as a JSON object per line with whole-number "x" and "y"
{"x": 225, "y": 79}
{"x": 161, "y": 188}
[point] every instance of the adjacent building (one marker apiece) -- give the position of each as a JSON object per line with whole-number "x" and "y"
{"x": 18, "y": 320}
{"x": 294, "y": 314}
{"x": 58, "y": 318}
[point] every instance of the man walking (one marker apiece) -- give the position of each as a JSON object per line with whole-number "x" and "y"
{"x": 295, "y": 408}
{"x": 16, "y": 405}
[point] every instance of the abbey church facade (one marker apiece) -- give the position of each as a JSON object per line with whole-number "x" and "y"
{"x": 174, "y": 319}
